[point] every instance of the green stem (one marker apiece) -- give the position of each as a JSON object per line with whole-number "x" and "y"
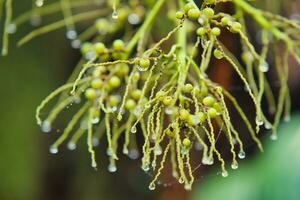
{"x": 257, "y": 15}
{"x": 149, "y": 19}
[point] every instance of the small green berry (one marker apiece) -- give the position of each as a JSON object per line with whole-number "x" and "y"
{"x": 212, "y": 112}
{"x": 97, "y": 83}
{"x": 114, "y": 82}
{"x": 130, "y": 104}
{"x": 225, "y": 21}
{"x": 167, "y": 101}
{"x": 209, "y": 101}
{"x": 170, "y": 133}
{"x": 186, "y": 142}
{"x": 201, "y": 117}
{"x": 201, "y": 31}
{"x": 136, "y": 76}
{"x": 188, "y": 88}
{"x": 179, "y": 15}
{"x": 209, "y": 2}
{"x": 188, "y": 7}
{"x": 184, "y": 114}
{"x": 235, "y": 27}
{"x": 136, "y": 94}
{"x": 122, "y": 69}
{"x": 218, "y": 107}
{"x": 160, "y": 95}
{"x": 216, "y": 31}
{"x": 144, "y": 63}
{"x": 118, "y": 45}
{"x": 100, "y": 48}
{"x": 113, "y": 100}
{"x": 209, "y": 12}
{"x": 90, "y": 94}
{"x": 86, "y": 47}
{"x": 218, "y": 54}
{"x": 193, "y": 13}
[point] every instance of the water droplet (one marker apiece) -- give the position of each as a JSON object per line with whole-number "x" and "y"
{"x": 71, "y": 34}
{"x": 46, "y": 127}
{"x": 152, "y": 186}
{"x": 94, "y": 164}
{"x": 259, "y": 121}
{"x": 142, "y": 69}
{"x": 187, "y": 187}
{"x": 53, "y": 150}
{"x": 109, "y": 152}
{"x": 133, "y": 129}
{"x": 157, "y": 150}
{"x": 125, "y": 151}
{"x": 35, "y": 20}
{"x": 153, "y": 164}
{"x": 145, "y": 167}
{"x": 242, "y": 154}
{"x": 134, "y": 19}
{"x": 224, "y": 173}
{"x": 120, "y": 117}
{"x": 175, "y": 174}
{"x": 115, "y": 15}
{"x": 198, "y": 146}
{"x": 207, "y": 160}
{"x": 287, "y": 118}
{"x": 95, "y": 141}
{"x": 95, "y": 120}
{"x": 39, "y": 3}
{"x": 133, "y": 154}
{"x": 181, "y": 180}
{"x": 76, "y": 44}
{"x": 274, "y": 136}
{"x": 71, "y": 146}
{"x": 234, "y": 165}
{"x": 11, "y": 28}
{"x": 264, "y": 67}
{"x": 268, "y": 126}
{"x": 112, "y": 168}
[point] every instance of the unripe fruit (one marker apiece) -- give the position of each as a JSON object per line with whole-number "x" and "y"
{"x": 184, "y": 114}
{"x": 188, "y": 6}
{"x": 216, "y": 31}
{"x": 235, "y": 27}
{"x": 218, "y": 54}
{"x": 209, "y": 101}
{"x": 100, "y": 48}
{"x": 122, "y": 69}
{"x": 144, "y": 63}
{"x": 114, "y": 82}
{"x": 179, "y": 15}
{"x": 201, "y": 117}
{"x": 201, "y": 31}
{"x": 209, "y": 12}
{"x": 193, "y": 14}
{"x": 188, "y": 88}
{"x": 97, "y": 83}
{"x": 170, "y": 133}
{"x": 86, "y": 47}
{"x": 167, "y": 101}
{"x": 212, "y": 113}
{"x": 186, "y": 142}
{"x": 130, "y": 104}
{"x": 113, "y": 100}
{"x": 136, "y": 94}
{"x": 90, "y": 94}
{"x": 119, "y": 45}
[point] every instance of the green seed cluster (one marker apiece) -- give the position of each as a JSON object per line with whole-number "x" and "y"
{"x": 136, "y": 83}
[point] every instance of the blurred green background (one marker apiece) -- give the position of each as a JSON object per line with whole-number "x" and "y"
{"x": 29, "y": 172}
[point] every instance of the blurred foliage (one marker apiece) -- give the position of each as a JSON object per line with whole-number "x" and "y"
{"x": 273, "y": 175}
